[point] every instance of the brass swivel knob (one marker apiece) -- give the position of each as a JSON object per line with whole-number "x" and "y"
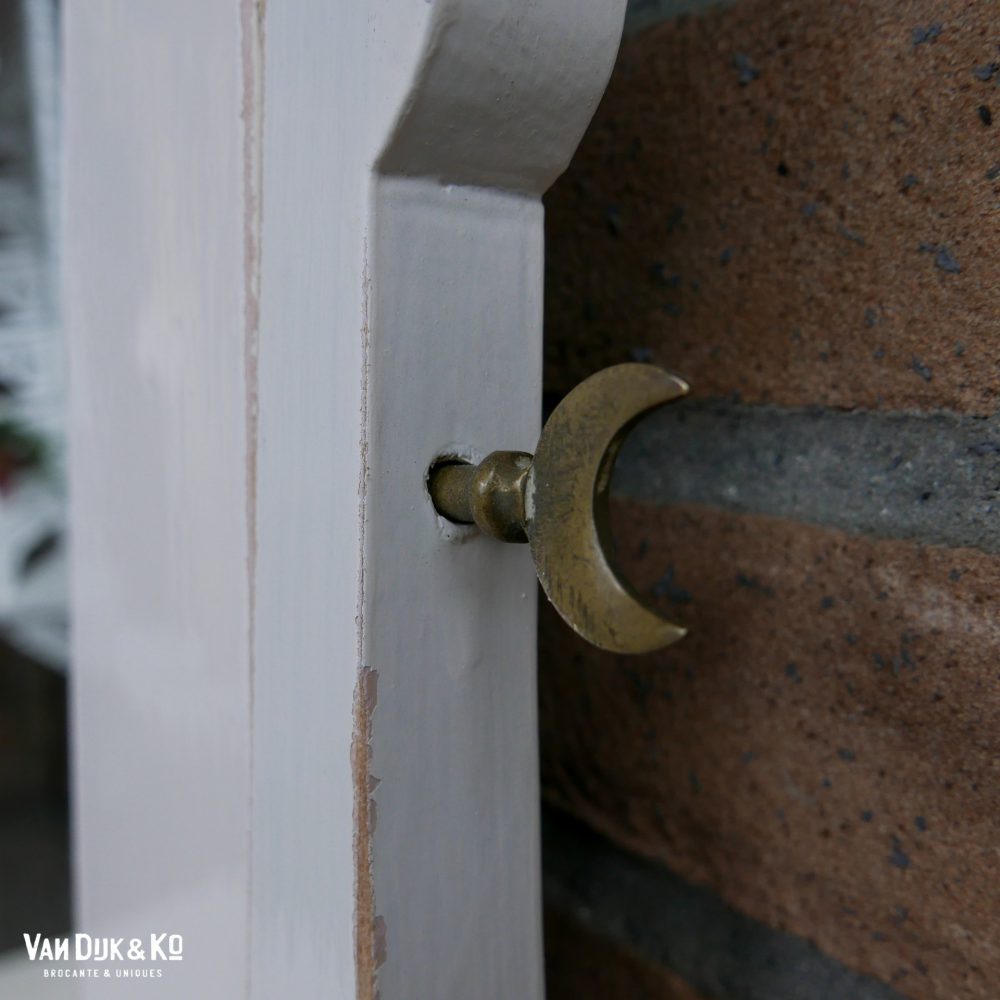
{"x": 557, "y": 501}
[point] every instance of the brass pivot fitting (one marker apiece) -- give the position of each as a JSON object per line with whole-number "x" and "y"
{"x": 557, "y": 502}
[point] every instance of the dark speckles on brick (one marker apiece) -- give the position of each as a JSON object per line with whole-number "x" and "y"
{"x": 809, "y": 209}
{"x": 896, "y": 663}
{"x": 993, "y": 173}
{"x": 920, "y": 823}
{"x": 898, "y": 858}
{"x": 747, "y": 757}
{"x": 900, "y": 914}
{"x": 746, "y": 69}
{"x": 871, "y": 317}
{"x": 792, "y": 672}
{"x": 905, "y": 657}
{"x": 910, "y": 180}
{"x": 752, "y": 583}
{"x": 879, "y": 353}
{"x": 925, "y": 33}
{"x": 959, "y": 349}
{"x": 675, "y": 218}
{"x": 641, "y": 354}
{"x": 668, "y": 587}
{"x": 844, "y": 754}
{"x": 782, "y": 169}
{"x": 826, "y": 603}
{"x": 945, "y": 261}
{"x": 852, "y": 639}
{"x": 672, "y": 309}
{"x": 658, "y": 272}
{"x": 641, "y": 685}
{"x": 695, "y": 782}
{"x": 852, "y": 235}
{"x": 726, "y": 256}
{"x": 867, "y": 816}
{"x": 921, "y": 369}
{"x": 826, "y": 783}
{"x": 613, "y": 217}
{"x": 955, "y": 575}
{"x": 986, "y": 72}
{"x": 985, "y": 115}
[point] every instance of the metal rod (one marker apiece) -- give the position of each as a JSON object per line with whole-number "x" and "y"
{"x": 448, "y": 484}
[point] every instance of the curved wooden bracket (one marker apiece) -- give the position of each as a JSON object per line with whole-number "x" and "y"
{"x": 503, "y": 91}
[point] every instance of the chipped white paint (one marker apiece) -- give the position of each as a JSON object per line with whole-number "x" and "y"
{"x": 319, "y": 265}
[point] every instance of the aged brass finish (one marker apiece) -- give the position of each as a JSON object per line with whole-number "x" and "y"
{"x": 557, "y": 501}
{"x": 489, "y": 495}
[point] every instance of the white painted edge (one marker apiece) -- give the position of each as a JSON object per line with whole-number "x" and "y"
{"x": 254, "y": 316}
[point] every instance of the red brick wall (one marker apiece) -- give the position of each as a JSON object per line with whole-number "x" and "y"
{"x": 797, "y": 205}
{"x": 795, "y": 202}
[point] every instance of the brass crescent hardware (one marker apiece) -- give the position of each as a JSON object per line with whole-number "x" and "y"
{"x": 557, "y": 501}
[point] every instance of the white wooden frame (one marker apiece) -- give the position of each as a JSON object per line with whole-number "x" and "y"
{"x": 304, "y": 258}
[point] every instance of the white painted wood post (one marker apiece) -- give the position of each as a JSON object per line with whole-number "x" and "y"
{"x": 304, "y": 257}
